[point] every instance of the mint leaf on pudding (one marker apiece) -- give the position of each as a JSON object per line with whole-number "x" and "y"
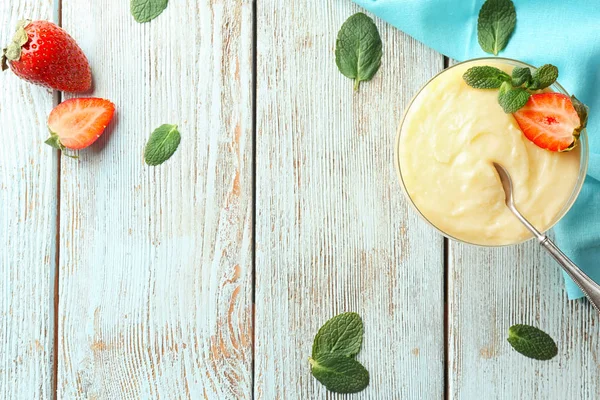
{"x": 162, "y": 144}
{"x": 543, "y": 77}
{"x": 339, "y": 374}
{"x": 358, "y": 49}
{"x": 520, "y": 76}
{"x": 342, "y": 335}
{"x": 532, "y": 342}
{"x": 512, "y": 95}
{"x": 512, "y": 99}
{"x": 147, "y": 10}
{"x": 496, "y": 23}
{"x": 485, "y": 77}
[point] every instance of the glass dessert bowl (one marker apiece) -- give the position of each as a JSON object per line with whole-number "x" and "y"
{"x": 450, "y": 135}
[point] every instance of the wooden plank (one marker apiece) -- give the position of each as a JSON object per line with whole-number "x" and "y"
{"x": 492, "y": 289}
{"x": 333, "y": 230}
{"x": 28, "y": 184}
{"x": 28, "y": 206}
{"x": 156, "y": 263}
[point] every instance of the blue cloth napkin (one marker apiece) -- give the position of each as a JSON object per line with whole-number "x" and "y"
{"x": 559, "y": 32}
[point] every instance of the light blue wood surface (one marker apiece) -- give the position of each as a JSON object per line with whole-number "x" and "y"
{"x": 28, "y": 216}
{"x": 207, "y": 277}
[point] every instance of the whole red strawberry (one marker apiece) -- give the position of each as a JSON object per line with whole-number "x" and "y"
{"x": 44, "y": 54}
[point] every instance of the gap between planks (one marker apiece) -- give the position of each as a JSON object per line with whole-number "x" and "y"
{"x": 253, "y": 185}
{"x": 446, "y": 303}
{"x": 57, "y": 99}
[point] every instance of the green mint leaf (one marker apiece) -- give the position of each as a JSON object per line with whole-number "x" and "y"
{"x": 485, "y": 77}
{"x": 147, "y": 10}
{"x": 532, "y": 342}
{"x": 162, "y": 144}
{"x": 341, "y": 335}
{"x": 512, "y": 99}
{"x": 582, "y": 111}
{"x": 340, "y": 374}
{"x": 520, "y": 76}
{"x": 358, "y": 49}
{"x": 497, "y": 20}
{"x": 543, "y": 77}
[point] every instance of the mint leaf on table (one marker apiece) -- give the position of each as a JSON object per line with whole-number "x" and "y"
{"x": 543, "y": 77}
{"x": 532, "y": 342}
{"x": 147, "y": 10}
{"x": 340, "y": 374}
{"x": 496, "y": 23}
{"x": 342, "y": 334}
{"x": 485, "y": 77}
{"x": 162, "y": 144}
{"x": 520, "y": 76}
{"x": 358, "y": 49}
{"x": 512, "y": 99}
{"x": 334, "y": 348}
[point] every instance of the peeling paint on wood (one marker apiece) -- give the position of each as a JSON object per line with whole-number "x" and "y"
{"x": 155, "y": 289}
{"x": 331, "y": 214}
{"x": 156, "y": 263}
{"x": 28, "y": 182}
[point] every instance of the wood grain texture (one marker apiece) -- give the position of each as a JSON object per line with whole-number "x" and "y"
{"x": 492, "y": 289}
{"x": 489, "y": 290}
{"x": 333, "y": 230}
{"x": 156, "y": 263}
{"x": 28, "y": 184}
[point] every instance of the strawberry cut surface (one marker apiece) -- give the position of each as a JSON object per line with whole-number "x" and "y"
{"x": 550, "y": 121}
{"x": 77, "y": 123}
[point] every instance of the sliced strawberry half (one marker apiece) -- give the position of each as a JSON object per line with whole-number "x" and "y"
{"x": 77, "y": 123}
{"x": 550, "y": 121}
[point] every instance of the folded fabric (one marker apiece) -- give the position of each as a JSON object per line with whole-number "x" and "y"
{"x": 559, "y": 32}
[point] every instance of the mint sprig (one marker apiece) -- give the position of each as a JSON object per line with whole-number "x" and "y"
{"x": 358, "y": 49}
{"x": 515, "y": 89}
{"x": 532, "y": 342}
{"x": 334, "y": 348}
{"x": 495, "y": 25}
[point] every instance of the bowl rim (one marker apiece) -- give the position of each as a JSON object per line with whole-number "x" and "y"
{"x": 583, "y": 148}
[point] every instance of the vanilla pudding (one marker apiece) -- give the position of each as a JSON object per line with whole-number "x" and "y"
{"x": 450, "y": 135}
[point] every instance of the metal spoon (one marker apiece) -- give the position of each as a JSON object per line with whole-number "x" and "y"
{"x": 590, "y": 288}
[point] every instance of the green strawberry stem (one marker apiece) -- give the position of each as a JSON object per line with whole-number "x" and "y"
{"x": 54, "y": 141}
{"x": 13, "y": 50}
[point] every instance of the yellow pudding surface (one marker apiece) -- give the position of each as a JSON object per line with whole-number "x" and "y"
{"x": 448, "y": 139}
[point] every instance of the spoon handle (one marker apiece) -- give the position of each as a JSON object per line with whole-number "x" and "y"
{"x": 590, "y": 288}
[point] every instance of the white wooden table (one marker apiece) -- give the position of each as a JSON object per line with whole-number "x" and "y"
{"x": 207, "y": 277}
